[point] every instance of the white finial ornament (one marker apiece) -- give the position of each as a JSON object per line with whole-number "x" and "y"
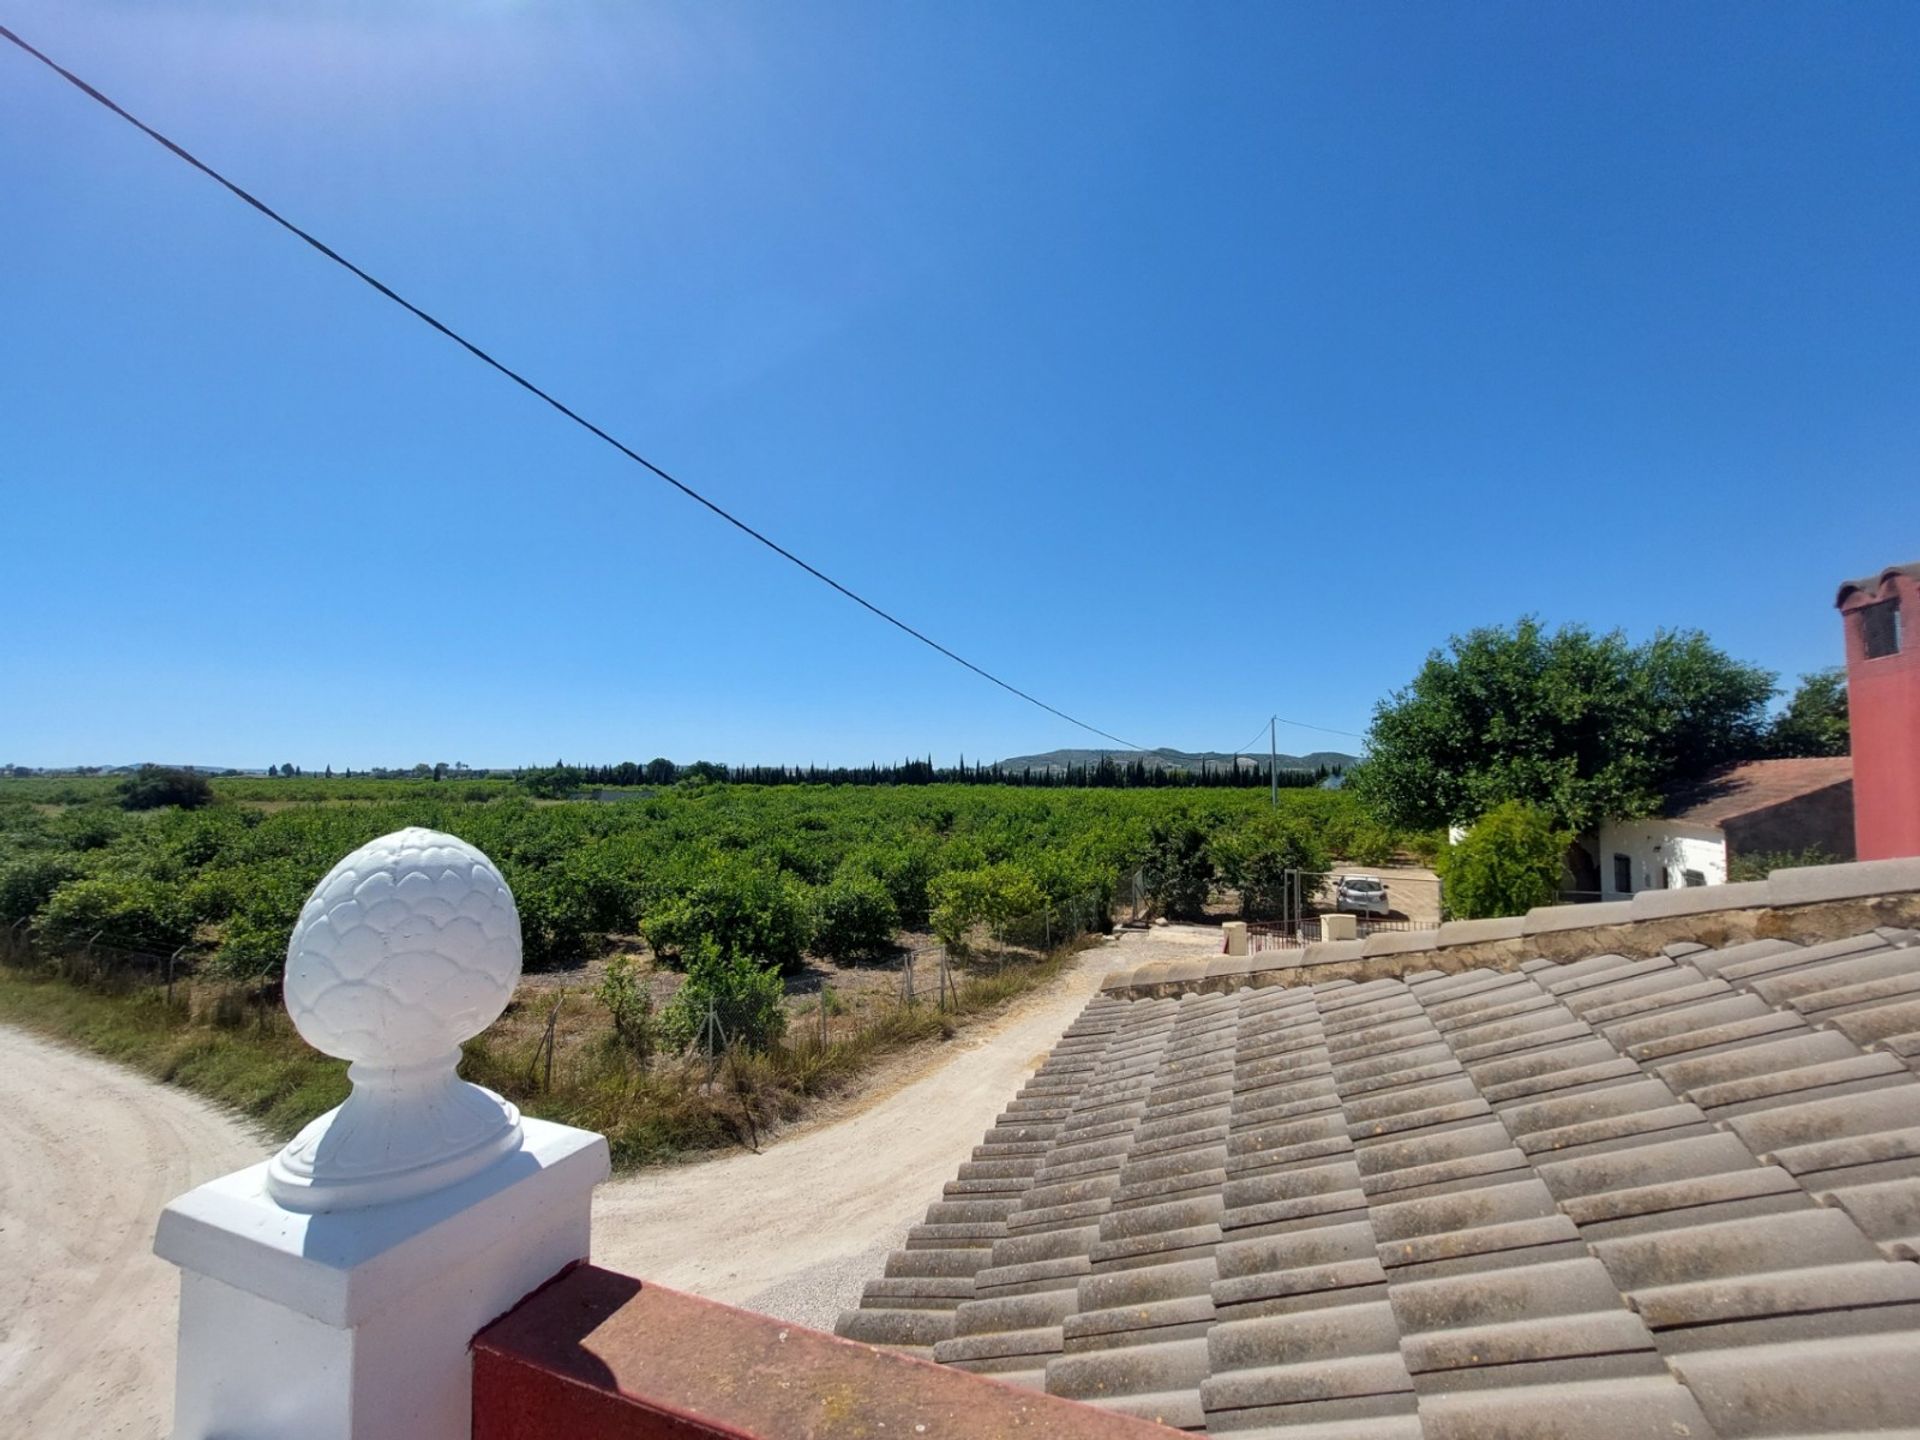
{"x": 409, "y": 946}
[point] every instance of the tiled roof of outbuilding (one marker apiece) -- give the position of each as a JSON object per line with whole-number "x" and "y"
{"x": 1676, "y": 1196}
{"x": 1759, "y": 785}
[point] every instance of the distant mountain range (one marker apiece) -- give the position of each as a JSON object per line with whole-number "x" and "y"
{"x": 1061, "y": 760}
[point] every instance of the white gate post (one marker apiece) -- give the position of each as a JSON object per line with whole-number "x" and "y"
{"x": 331, "y": 1292}
{"x": 1337, "y": 926}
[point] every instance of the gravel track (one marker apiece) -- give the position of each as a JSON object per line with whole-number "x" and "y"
{"x": 795, "y": 1231}
{"x": 89, "y": 1153}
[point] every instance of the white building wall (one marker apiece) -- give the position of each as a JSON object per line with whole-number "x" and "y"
{"x": 1661, "y": 851}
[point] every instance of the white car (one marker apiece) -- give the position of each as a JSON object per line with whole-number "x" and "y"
{"x": 1361, "y": 893}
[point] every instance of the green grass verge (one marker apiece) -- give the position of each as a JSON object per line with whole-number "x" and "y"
{"x": 269, "y": 1075}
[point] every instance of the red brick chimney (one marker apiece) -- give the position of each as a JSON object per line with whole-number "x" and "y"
{"x": 1882, "y": 618}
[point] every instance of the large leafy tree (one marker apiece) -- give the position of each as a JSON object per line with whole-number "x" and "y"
{"x": 153, "y": 786}
{"x": 1586, "y": 726}
{"x": 1814, "y": 721}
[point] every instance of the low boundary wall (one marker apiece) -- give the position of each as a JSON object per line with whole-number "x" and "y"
{"x": 1826, "y": 902}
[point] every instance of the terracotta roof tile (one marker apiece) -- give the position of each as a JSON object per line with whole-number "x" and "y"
{"x": 1758, "y": 785}
{"x": 1872, "y": 584}
{"x": 1612, "y": 1197}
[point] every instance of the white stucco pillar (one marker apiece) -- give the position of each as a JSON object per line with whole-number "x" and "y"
{"x": 330, "y": 1293}
{"x": 1334, "y": 926}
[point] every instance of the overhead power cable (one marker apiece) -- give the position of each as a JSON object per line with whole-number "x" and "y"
{"x": 1324, "y": 729}
{"x": 517, "y": 378}
{"x": 1245, "y": 749}
{"x": 1297, "y": 724}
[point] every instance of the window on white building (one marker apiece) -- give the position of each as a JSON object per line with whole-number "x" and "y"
{"x": 1623, "y": 874}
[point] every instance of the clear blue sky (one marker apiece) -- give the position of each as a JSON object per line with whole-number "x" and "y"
{"x": 1181, "y": 362}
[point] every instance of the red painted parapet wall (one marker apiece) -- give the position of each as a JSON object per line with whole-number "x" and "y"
{"x": 595, "y": 1355}
{"x": 1883, "y": 701}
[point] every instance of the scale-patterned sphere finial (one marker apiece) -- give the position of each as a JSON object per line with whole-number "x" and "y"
{"x": 409, "y": 947}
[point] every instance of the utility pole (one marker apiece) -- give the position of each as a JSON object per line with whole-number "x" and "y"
{"x": 1273, "y": 763}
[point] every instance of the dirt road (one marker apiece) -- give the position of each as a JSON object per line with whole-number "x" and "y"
{"x": 794, "y": 1231}
{"x": 88, "y": 1154}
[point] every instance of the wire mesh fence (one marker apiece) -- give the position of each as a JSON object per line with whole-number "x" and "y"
{"x": 120, "y": 963}
{"x": 662, "y": 1089}
{"x": 95, "y": 958}
{"x": 934, "y": 978}
{"x": 918, "y": 988}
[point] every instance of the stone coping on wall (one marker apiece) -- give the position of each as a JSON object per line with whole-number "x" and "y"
{"x": 596, "y": 1355}
{"x": 1810, "y": 903}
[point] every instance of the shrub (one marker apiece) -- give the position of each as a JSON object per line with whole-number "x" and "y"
{"x": 1256, "y": 858}
{"x": 1509, "y": 862}
{"x": 1760, "y": 866}
{"x": 1179, "y": 870}
{"x": 126, "y": 910}
{"x": 152, "y": 786}
{"x": 252, "y": 948}
{"x": 987, "y": 895}
{"x": 1078, "y": 889}
{"x": 855, "y": 918}
{"x": 608, "y": 886}
{"x": 741, "y": 909}
{"x": 211, "y": 896}
{"x": 29, "y": 882}
{"x": 1371, "y": 844}
{"x": 630, "y": 1006}
{"x": 555, "y": 918}
{"x": 907, "y": 870}
{"x": 204, "y": 839}
{"x": 258, "y": 905}
{"x": 747, "y": 1000}
{"x": 88, "y": 829}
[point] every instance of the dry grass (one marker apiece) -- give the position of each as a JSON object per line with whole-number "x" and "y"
{"x": 678, "y": 1105}
{"x": 238, "y": 1048}
{"x": 210, "y": 1040}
